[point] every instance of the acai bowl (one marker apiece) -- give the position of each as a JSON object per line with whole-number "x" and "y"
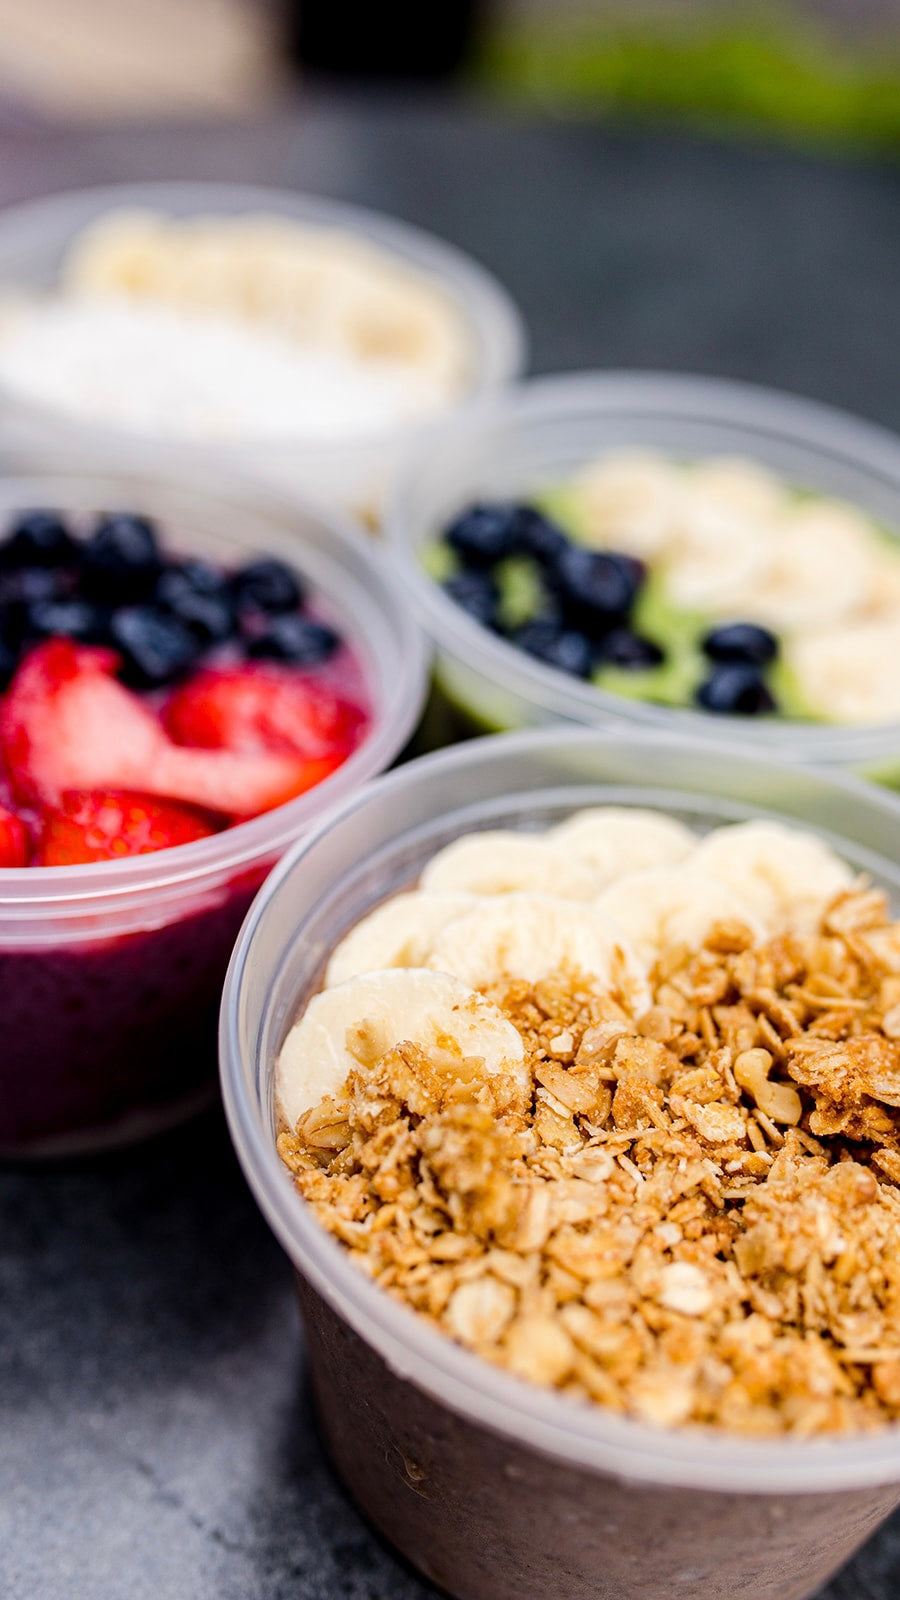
{"x": 536, "y": 1473}
{"x": 674, "y": 553}
{"x": 157, "y": 761}
{"x": 293, "y": 335}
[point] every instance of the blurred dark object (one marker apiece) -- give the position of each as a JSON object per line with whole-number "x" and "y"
{"x": 401, "y": 42}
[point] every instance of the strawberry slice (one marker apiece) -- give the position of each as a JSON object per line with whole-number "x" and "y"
{"x": 101, "y": 824}
{"x": 66, "y": 723}
{"x": 13, "y": 840}
{"x": 252, "y": 708}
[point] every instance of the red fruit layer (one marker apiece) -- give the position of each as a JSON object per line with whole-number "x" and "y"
{"x": 15, "y": 847}
{"x": 104, "y": 824}
{"x": 259, "y": 707}
{"x": 233, "y": 742}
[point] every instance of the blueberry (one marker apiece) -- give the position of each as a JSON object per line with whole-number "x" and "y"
{"x": 596, "y": 589}
{"x": 121, "y": 559}
{"x": 38, "y": 538}
{"x": 156, "y": 649}
{"x": 20, "y": 591}
{"x": 192, "y": 577}
{"x": 72, "y": 619}
{"x": 211, "y": 621}
{"x": 537, "y": 536}
{"x": 564, "y": 648}
{"x": 296, "y": 639}
{"x": 267, "y": 585}
{"x": 27, "y": 585}
{"x": 741, "y": 641}
{"x": 476, "y": 594}
{"x": 736, "y": 688}
{"x": 9, "y": 657}
{"x": 484, "y": 534}
{"x": 194, "y": 599}
{"x": 634, "y": 570}
{"x": 629, "y": 651}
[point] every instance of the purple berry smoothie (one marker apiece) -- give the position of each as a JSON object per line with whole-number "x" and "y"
{"x": 108, "y": 1040}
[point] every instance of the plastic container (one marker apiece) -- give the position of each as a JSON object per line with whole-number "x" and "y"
{"x": 111, "y": 973}
{"x": 541, "y": 432}
{"x": 495, "y": 1489}
{"x": 351, "y": 472}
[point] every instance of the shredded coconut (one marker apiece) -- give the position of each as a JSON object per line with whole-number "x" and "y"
{"x": 161, "y": 370}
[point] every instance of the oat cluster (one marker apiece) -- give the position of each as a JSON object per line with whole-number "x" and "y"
{"x": 696, "y": 1220}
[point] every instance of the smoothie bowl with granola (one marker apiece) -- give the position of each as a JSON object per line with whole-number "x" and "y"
{"x": 573, "y": 1102}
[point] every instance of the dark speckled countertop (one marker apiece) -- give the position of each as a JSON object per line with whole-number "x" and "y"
{"x": 156, "y": 1441}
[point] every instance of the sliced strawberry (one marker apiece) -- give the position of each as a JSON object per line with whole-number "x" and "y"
{"x": 238, "y": 785}
{"x": 66, "y": 723}
{"x": 102, "y": 824}
{"x": 252, "y": 708}
{"x": 14, "y": 849}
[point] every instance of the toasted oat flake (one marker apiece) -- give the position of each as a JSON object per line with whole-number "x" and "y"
{"x": 696, "y": 1219}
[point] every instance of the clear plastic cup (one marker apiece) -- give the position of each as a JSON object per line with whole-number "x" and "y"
{"x": 496, "y": 1489}
{"x": 111, "y": 973}
{"x": 541, "y": 432}
{"x": 351, "y": 472}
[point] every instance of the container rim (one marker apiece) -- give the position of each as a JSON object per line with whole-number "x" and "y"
{"x": 397, "y": 698}
{"x": 582, "y": 1435}
{"x": 669, "y": 396}
{"x": 499, "y": 338}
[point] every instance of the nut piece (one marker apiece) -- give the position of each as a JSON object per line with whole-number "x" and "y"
{"x": 479, "y": 1312}
{"x": 890, "y": 1023}
{"x": 717, "y": 1123}
{"x": 683, "y": 1287}
{"x": 540, "y": 1349}
{"x": 779, "y": 1101}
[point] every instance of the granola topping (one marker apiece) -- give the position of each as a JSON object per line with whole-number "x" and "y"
{"x": 696, "y": 1217}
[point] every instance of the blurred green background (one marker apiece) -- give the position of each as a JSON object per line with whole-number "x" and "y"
{"x": 810, "y": 73}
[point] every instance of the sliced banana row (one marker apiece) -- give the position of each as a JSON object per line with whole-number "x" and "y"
{"x": 399, "y": 933}
{"x": 532, "y": 936}
{"x": 412, "y": 969}
{"x": 324, "y": 287}
{"x": 501, "y": 904}
{"x": 734, "y": 542}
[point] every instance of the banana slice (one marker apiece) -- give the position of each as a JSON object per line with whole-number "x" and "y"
{"x": 731, "y": 484}
{"x": 362, "y": 1019}
{"x": 532, "y": 936}
{"x": 678, "y": 905}
{"x": 501, "y": 862}
{"x": 625, "y": 501}
{"x": 399, "y": 933}
{"x": 123, "y": 252}
{"x": 618, "y": 839}
{"x": 786, "y": 875}
{"x": 883, "y": 598}
{"x": 820, "y": 571}
{"x": 717, "y": 555}
{"x": 845, "y": 673}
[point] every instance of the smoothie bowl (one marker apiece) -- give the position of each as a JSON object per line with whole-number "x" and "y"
{"x": 188, "y": 679}
{"x": 681, "y": 553}
{"x": 305, "y": 338}
{"x": 562, "y": 1066}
